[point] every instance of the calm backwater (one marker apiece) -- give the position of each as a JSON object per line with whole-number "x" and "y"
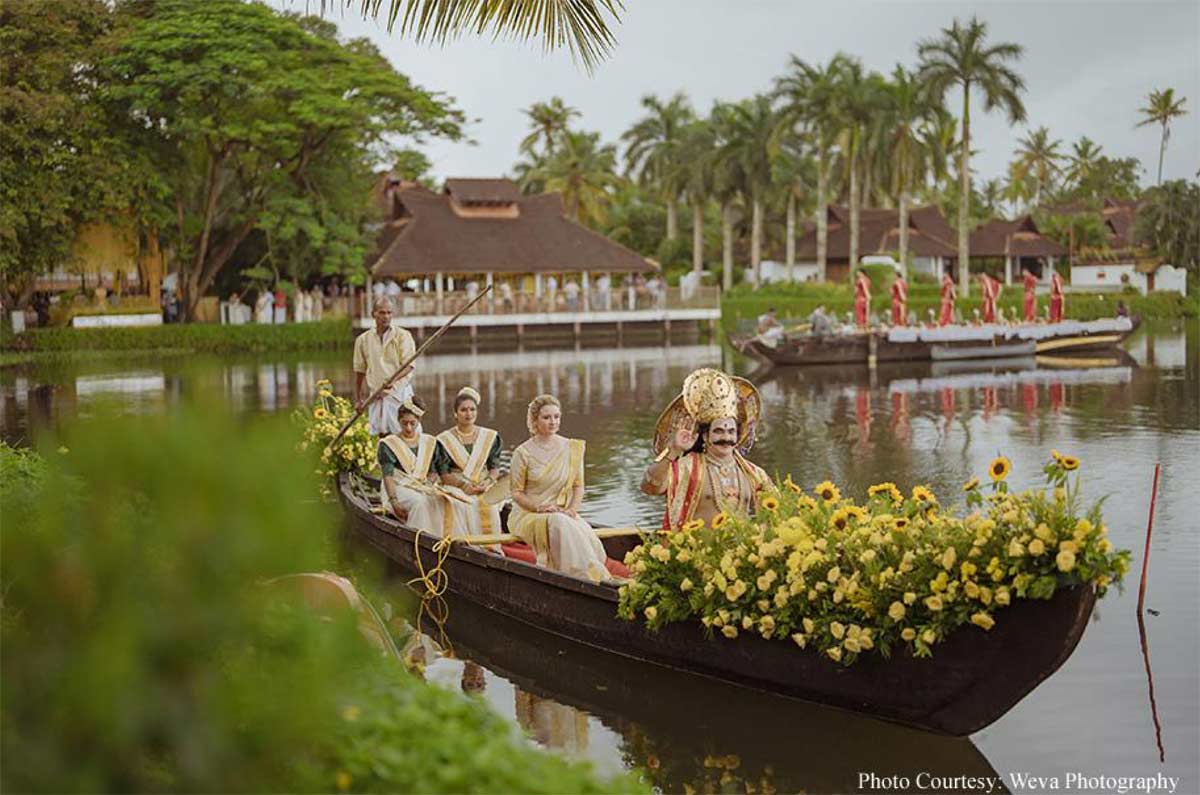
{"x": 909, "y": 424}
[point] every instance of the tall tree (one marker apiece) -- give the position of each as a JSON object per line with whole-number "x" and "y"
{"x": 550, "y": 121}
{"x": 728, "y": 181}
{"x": 861, "y": 102}
{"x": 698, "y": 150}
{"x": 1166, "y": 221}
{"x": 809, "y": 97}
{"x": 752, "y": 144}
{"x": 244, "y": 109}
{"x": 1161, "y": 109}
{"x": 1038, "y": 157}
{"x": 909, "y": 108}
{"x": 961, "y": 57}
{"x": 1082, "y": 163}
{"x": 795, "y": 172}
{"x": 583, "y": 171}
{"x": 654, "y": 150}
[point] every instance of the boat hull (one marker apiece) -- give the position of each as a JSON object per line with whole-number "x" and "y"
{"x": 972, "y": 680}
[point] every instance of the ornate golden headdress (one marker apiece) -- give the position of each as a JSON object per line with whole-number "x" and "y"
{"x": 412, "y": 408}
{"x": 709, "y": 395}
{"x": 470, "y": 392}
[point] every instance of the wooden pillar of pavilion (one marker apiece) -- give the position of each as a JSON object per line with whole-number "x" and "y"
{"x": 437, "y": 281}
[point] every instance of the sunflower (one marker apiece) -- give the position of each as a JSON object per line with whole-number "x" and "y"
{"x": 900, "y": 522}
{"x": 888, "y": 489}
{"x": 840, "y": 518}
{"x": 856, "y": 512}
{"x": 695, "y": 524}
{"x": 1057, "y": 456}
{"x": 827, "y": 491}
{"x": 770, "y": 503}
{"x": 791, "y": 484}
{"x": 320, "y": 413}
{"x": 971, "y": 484}
{"x": 1069, "y": 462}
{"x": 999, "y": 468}
{"x": 923, "y": 494}
{"x": 719, "y": 520}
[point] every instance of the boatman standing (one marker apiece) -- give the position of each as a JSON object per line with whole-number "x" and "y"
{"x": 1030, "y": 282}
{"x": 949, "y": 293}
{"x": 862, "y": 298}
{"x": 899, "y": 301}
{"x": 701, "y": 439}
{"x": 378, "y": 353}
{"x": 1056, "y": 298}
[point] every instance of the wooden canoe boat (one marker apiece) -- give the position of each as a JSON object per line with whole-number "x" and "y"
{"x": 861, "y": 347}
{"x": 972, "y": 680}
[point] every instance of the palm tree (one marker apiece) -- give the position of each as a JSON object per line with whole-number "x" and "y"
{"x": 794, "y": 170}
{"x": 861, "y": 97}
{"x": 1038, "y": 157}
{"x": 1082, "y": 163}
{"x": 992, "y": 195}
{"x": 583, "y": 171}
{"x": 697, "y": 149}
{"x": 549, "y": 120}
{"x": 910, "y": 108}
{"x": 810, "y": 98}
{"x": 1161, "y": 109}
{"x": 581, "y": 25}
{"x": 654, "y": 153}
{"x": 727, "y": 181}
{"x": 960, "y": 58}
{"x": 752, "y": 143}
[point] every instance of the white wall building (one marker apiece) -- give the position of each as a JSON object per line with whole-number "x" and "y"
{"x": 1119, "y": 275}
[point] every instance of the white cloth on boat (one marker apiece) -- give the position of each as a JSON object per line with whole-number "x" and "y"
{"x": 962, "y": 333}
{"x": 903, "y": 334}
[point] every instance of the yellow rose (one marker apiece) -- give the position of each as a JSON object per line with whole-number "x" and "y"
{"x": 686, "y": 585}
{"x": 929, "y": 636}
{"x": 767, "y": 625}
{"x": 834, "y": 574}
{"x": 835, "y": 653}
{"x": 1065, "y": 560}
{"x": 1015, "y": 550}
{"x": 983, "y": 620}
{"x": 801, "y": 641}
{"x": 852, "y": 645}
{"x": 651, "y": 612}
{"x": 909, "y": 597}
{"x": 763, "y": 582}
{"x": 1002, "y": 597}
{"x": 747, "y": 622}
{"x": 934, "y": 603}
{"x": 809, "y": 626}
{"x": 867, "y": 556}
{"x": 837, "y": 630}
{"x": 1105, "y": 545}
{"x": 729, "y": 631}
{"x": 683, "y": 556}
{"x": 1068, "y": 546}
{"x": 948, "y": 558}
{"x": 908, "y": 633}
{"x": 1036, "y": 547}
{"x": 896, "y": 611}
{"x": 971, "y": 588}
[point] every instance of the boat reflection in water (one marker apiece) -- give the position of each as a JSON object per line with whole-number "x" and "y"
{"x": 685, "y": 732}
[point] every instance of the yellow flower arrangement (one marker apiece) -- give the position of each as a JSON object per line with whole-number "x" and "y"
{"x": 999, "y": 468}
{"x": 845, "y": 579}
{"x": 319, "y": 425}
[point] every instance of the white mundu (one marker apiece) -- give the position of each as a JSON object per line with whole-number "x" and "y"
{"x": 430, "y": 508}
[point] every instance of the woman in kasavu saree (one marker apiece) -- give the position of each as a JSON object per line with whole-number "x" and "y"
{"x": 409, "y": 490}
{"x": 547, "y": 490}
{"x": 467, "y": 459}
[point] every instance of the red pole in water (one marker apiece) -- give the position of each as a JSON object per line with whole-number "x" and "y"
{"x": 1146, "y": 552}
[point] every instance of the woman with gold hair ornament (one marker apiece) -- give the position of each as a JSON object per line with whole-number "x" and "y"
{"x": 467, "y": 460}
{"x": 409, "y": 489}
{"x": 547, "y": 490}
{"x": 701, "y": 439}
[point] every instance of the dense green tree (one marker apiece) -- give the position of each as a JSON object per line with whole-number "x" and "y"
{"x": 698, "y": 150}
{"x": 583, "y": 171}
{"x": 1038, "y": 158}
{"x": 961, "y": 57}
{"x": 909, "y": 107}
{"x": 1168, "y": 221}
{"x": 63, "y": 162}
{"x": 261, "y": 121}
{"x": 1161, "y": 109}
{"x": 654, "y": 153}
{"x": 750, "y": 146}
{"x": 862, "y": 100}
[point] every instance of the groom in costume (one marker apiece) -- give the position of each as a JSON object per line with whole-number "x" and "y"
{"x": 701, "y": 440}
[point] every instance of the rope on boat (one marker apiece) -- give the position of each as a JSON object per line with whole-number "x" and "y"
{"x": 435, "y": 580}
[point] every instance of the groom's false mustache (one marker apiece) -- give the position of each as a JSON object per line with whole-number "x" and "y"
{"x": 723, "y": 443}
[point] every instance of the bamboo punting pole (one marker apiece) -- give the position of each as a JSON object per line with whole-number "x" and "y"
{"x": 383, "y": 388}
{"x": 509, "y": 538}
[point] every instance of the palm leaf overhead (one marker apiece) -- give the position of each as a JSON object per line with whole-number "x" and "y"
{"x": 1161, "y": 109}
{"x": 582, "y": 26}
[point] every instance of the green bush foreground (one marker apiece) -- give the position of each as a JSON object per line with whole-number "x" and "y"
{"x": 142, "y": 649}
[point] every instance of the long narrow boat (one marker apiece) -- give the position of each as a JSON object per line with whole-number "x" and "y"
{"x": 973, "y": 678}
{"x": 940, "y": 344}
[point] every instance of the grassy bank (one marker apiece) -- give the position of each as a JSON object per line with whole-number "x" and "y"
{"x": 192, "y": 338}
{"x": 796, "y": 301}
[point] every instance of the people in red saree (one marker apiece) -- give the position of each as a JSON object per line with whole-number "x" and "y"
{"x": 1056, "y": 298}
{"x": 949, "y": 294}
{"x": 899, "y": 302}
{"x": 862, "y": 299}
{"x": 1030, "y": 281}
{"x": 990, "y": 293}
{"x": 702, "y": 438}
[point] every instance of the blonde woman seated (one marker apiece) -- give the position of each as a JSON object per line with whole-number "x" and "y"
{"x": 547, "y": 490}
{"x": 467, "y": 460}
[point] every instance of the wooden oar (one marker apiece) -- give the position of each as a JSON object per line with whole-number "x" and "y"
{"x": 383, "y": 388}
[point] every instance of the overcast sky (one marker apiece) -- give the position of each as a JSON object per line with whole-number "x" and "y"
{"x": 1088, "y": 67}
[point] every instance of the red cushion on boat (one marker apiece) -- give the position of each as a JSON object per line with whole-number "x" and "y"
{"x": 520, "y": 551}
{"x": 617, "y": 569}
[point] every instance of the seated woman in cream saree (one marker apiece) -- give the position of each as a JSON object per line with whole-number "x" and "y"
{"x": 467, "y": 459}
{"x": 547, "y": 490}
{"x": 408, "y": 490}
